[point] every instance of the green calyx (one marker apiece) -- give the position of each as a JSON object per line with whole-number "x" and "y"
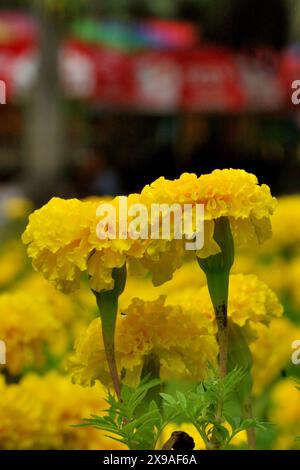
{"x": 217, "y": 267}
{"x": 107, "y": 302}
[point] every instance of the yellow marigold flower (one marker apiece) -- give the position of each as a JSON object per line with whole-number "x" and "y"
{"x": 22, "y": 423}
{"x": 163, "y": 258}
{"x": 74, "y": 311}
{"x": 271, "y": 351}
{"x": 38, "y": 413}
{"x": 67, "y": 404}
{"x": 57, "y": 235}
{"x": 88, "y": 363}
{"x": 12, "y": 262}
{"x": 250, "y": 300}
{"x": 189, "y": 276}
{"x": 63, "y": 240}
{"x": 27, "y": 324}
{"x": 62, "y": 307}
{"x": 225, "y": 193}
{"x": 141, "y": 255}
{"x": 183, "y": 341}
{"x": 275, "y": 273}
{"x": 259, "y": 301}
{"x": 234, "y": 194}
{"x": 63, "y": 243}
{"x": 293, "y": 284}
{"x": 285, "y": 413}
{"x": 286, "y": 227}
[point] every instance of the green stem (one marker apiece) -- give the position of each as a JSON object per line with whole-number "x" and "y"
{"x": 203, "y": 436}
{"x": 217, "y": 269}
{"x": 218, "y": 289}
{"x": 151, "y": 370}
{"x": 248, "y": 413}
{"x": 107, "y": 302}
{"x": 240, "y": 356}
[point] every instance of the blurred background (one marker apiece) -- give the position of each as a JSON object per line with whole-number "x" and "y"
{"x": 103, "y": 97}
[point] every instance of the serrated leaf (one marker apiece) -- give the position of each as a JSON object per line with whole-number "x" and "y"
{"x": 135, "y": 424}
{"x": 181, "y": 398}
{"x": 168, "y": 398}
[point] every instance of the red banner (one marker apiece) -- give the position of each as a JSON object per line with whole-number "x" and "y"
{"x": 204, "y": 79}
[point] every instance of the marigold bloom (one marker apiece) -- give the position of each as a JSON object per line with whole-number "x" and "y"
{"x": 271, "y": 351}
{"x": 225, "y": 193}
{"x": 74, "y": 312}
{"x": 293, "y": 281}
{"x": 282, "y": 275}
{"x": 22, "y": 423}
{"x": 63, "y": 241}
{"x": 188, "y": 277}
{"x": 27, "y": 324}
{"x": 57, "y": 235}
{"x": 286, "y": 227}
{"x": 275, "y": 273}
{"x": 250, "y": 300}
{"x": 183, "y": 341}
{"x": 38, "y": 413}
{"x": 233, "y": 194}
{"x": 285, "y": 413}
{"x": 12, "y": 262}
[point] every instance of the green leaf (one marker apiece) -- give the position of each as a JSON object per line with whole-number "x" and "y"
{"x": 181, "y": 399}
{"x": 135, "y": 424}
{"x": 123, "y": 441}
{"x": 168, "y": 398}
{"x": 220, "y": 433}
{"x": 233, "y": 421}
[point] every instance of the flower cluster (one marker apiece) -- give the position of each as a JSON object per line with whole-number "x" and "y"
{"x": 271, "y": 351}
{"x": 250, "y": 301}
{"x": 188, "y": 277}
{"x": 38, "y": 413}
{"x": 286, "y": 227}
{"x": 166, "y": 316}
{"x": 63, "y": 242}
{"x": 74, "y": 312}
{"x": 27, "y": 324}
{"x": 12, "y": 262}
{"x": 175, "y": 334}
{"x": 285, "y": 413}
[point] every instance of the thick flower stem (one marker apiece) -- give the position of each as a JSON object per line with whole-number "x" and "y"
{"x": 240, "y": 356}
{"x": 107, "y": 302}
{"x": 109, "y": 346}
{"x": 217, "y": 268}
{"x": 248, "y": 413}
{"x": 151, "y": 371}
{"x": 222, "y": 337}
